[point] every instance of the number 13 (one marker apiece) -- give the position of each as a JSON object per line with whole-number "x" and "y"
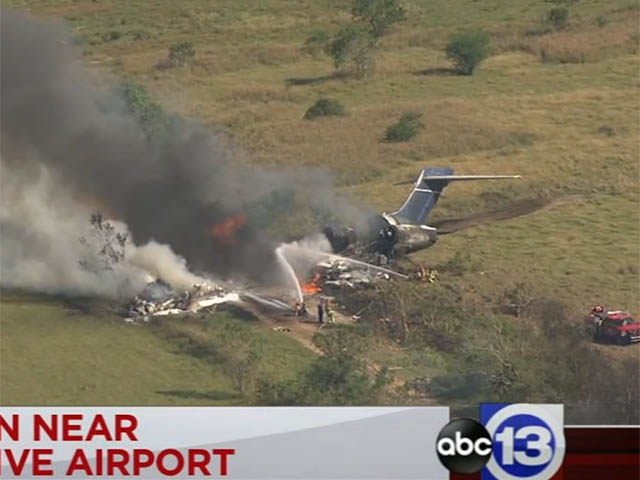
{"x": 540, "y": 445}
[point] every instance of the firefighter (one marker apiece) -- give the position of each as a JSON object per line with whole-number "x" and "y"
{"x": 421, "y": 273}
{"x": 320, "y": 313}
{"x": 599, "y": 313}
{"x": 297, "y": 309}
{"x": 433, "y": 275}
{"x": 330, "y": 314}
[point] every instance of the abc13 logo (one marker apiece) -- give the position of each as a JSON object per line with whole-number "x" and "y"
{"x": 513, "y": 441}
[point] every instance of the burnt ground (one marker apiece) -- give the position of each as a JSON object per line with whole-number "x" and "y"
{"x": 517, "y": 209}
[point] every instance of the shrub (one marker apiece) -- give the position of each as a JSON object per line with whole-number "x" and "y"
{"x": 111, "y": 36}
{"x": 140, "y": 34}
{"x": 606, "y": 130}
{"x": 460, "y": 264}
{"x": 559, "y": 17}
{"x": 601, "y": 21}
{"x": 241, "y": 354}
{"x": 404, "y": 129}
{"x": 468, "y": 49}
{"x": 316, "y": 43}
{"x": 325, "y": 107}
{"x": 181, "y": 53}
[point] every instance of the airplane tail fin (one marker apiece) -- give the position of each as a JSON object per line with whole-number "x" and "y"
{"x": 427, "y": 189}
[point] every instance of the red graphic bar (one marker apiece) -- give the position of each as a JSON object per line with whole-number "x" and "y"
{"x": 594, "y": 453}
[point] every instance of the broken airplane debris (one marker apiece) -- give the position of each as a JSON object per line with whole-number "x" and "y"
{"x": 159, "y": 299}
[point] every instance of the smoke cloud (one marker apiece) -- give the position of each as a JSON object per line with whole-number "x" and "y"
{"x": 70, "y": 147}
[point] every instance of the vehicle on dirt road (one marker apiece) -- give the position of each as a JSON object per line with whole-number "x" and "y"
{"x": 616, "y": 327}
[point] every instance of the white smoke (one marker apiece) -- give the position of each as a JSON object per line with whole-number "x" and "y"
{"x": 41, "y": 225}
{"x": 297, "y": 259}
{"x": 161, "y": 262}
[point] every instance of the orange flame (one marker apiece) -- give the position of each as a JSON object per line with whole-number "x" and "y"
{"x": 312, "y": 287}
{"x": 224, "y": 231}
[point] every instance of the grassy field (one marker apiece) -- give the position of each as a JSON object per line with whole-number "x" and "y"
{"x": 54, "y": 354}
{"x": 559, "y": 108}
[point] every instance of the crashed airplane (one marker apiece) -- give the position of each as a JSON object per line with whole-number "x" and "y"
{"x": 382, "y": 238}
{"x": 390, "y": 234}
{"x": 159, "y": 299}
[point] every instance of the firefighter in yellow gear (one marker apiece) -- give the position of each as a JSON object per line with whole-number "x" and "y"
{"x": 432, "y": 276}
{"x": 329, "y": 310}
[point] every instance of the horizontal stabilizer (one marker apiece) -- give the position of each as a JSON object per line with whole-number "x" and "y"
{"x": 451, "y": 178}
{"x": 427, "y": 189}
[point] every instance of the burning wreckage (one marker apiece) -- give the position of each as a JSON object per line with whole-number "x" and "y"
{"x": 333, "y": 274}
{"x": 387, "y": 236}
{"x": 159, "y": 299}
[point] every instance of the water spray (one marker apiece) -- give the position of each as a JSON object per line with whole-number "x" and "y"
{"x": 288, "y": 269}
{"x": 320, "y": 253}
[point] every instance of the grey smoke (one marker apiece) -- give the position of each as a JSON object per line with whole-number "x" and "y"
{"x": 69, "y": 145}
{"x": 40, "y": 228}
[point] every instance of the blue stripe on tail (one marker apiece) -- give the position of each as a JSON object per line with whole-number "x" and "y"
{"x": 423, "y": 198}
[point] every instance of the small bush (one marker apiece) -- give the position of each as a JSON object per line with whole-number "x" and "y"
{"x": 606, "y": 130}
{"x": 559, "y": 17}
{"x": 325, "y": 107}
{"x": 404, "y": 129}
{"x": 601, "y": 21}
{"x": 459, "y": 264}
{"x": 181, "y": 53}
{"x": 316, "y": 43}
{"x": 111, "y": 36}
{"x": 140, "y": 35}
{"x": 468, "y": 49}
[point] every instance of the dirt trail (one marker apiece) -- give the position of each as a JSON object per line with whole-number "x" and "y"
{"x": 304, "y": 329}
{"x": 516, "y": 209}
{"x": 287, "y": 323}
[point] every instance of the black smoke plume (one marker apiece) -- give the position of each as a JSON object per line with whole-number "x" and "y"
{"x": 170, "y": 188}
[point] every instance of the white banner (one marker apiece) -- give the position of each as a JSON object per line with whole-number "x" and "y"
{"x": 221, "y": 442}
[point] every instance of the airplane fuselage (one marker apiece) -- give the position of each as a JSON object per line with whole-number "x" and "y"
{"x": 405, "y": 230}
{"x": 384, "y": 234}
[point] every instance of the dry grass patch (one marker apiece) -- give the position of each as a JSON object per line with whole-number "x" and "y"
{"x": 581, "y": 44}
{"x": 262, "y": 94}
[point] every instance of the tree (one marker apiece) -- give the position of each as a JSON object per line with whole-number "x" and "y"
{"x": 104, "y": 246}
{"x": 352, "y": 50}
{"x": 149, "y": 114}
{"x": 380, "y": 15}
{"x": 468, "y": 49}
{"x": 353, "y": 47}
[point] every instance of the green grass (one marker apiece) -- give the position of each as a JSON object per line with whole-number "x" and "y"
{"x": 52, "y": 355}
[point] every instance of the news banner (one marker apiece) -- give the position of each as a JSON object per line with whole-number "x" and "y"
{"x": 508, "y": 442}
